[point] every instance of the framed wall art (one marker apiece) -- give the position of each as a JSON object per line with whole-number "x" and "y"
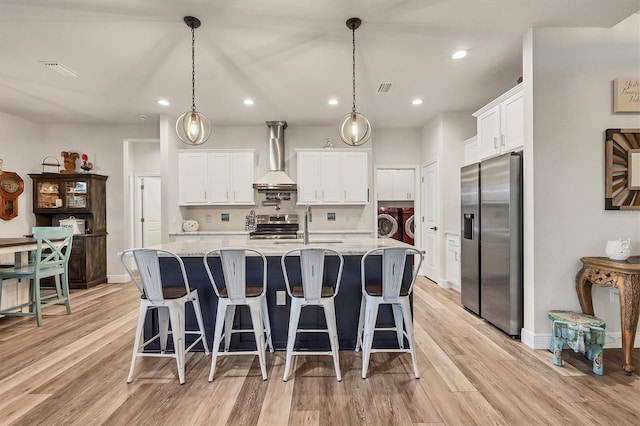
{"x": 622, "y": 169}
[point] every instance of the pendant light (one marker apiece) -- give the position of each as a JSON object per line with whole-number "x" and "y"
{"x": 354, "y": 128}
{"x": 192, "y": 127}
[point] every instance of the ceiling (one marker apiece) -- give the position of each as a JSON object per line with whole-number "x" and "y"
{"x": 290, "y": 56}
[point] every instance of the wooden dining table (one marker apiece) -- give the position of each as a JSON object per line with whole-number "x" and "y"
{"x": 20, "y": 247}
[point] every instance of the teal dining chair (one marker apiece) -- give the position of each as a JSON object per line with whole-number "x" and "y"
{"x": 50, "y": 259}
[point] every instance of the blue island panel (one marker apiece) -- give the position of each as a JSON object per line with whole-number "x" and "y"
{"x": 347, "y": 302}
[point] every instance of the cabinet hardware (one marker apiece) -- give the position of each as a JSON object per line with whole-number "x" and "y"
{"x": 434, "y": 228}
{"x": 495, "y": 142}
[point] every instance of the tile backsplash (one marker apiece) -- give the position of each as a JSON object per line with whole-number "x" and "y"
{"x": 211, "y": 218}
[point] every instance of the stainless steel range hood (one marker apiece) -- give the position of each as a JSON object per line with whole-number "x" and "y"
{"x": 276, "y": 179}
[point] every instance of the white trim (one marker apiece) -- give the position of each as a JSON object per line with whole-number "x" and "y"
{"x": 542, "y": 340}
{"x": 117, "y": 279}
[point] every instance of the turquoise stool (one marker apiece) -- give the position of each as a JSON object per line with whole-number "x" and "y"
{"x": 582, "y": 333}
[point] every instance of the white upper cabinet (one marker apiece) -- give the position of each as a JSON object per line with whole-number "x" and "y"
{"x": 395, "y": 184}
{"x": 471, "y": 151}
{"x": 207, "y": 177}
{"x": 332, "y": 176}
{"x": 501, "y": 124}
{"x": 192, "y": 188}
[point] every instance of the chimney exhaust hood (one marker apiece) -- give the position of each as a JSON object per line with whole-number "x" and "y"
{"x": 276, "y": 179}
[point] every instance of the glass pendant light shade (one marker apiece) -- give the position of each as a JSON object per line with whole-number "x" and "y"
{"x": 192, "y": 127}
{"x": 354, "y": 129}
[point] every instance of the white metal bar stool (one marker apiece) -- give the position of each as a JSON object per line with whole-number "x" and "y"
{"x": 313, "y": 291}
{"x": 238, "y": 292}
{"x": 169, "y": 301}
{"x": 390, "y": 291}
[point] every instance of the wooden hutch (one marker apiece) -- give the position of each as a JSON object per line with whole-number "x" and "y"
{"x": 82, "y": 196}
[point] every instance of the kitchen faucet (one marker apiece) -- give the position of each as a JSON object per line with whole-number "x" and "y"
{"x": 308, "y": 217}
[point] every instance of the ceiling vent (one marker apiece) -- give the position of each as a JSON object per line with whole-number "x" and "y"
{"x": 385, "y": 87}
{"x": 59, "y": 68}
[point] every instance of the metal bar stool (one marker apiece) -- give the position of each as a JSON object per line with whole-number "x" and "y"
{"x": 169, "y": 301}
{"x": 238, "y": 292}
{"x": 388, "y": 292}
{"x": 313, "y": 291}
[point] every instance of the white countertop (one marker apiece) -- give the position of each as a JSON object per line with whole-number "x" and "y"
{"x": 349, "y": 246}
{"x": 323, "y": 231}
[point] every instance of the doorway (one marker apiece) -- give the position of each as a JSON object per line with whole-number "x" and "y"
{"x": 430, "y": 209}
{"x": 147, "y": 216}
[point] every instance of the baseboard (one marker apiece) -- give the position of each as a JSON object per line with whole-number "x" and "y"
{"x": 541, "y": 341}
{"x": 116, "y": 279}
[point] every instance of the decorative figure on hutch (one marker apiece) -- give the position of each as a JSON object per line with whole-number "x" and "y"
{"x": 87, "y": 165}
{"x": 69, "y": 161}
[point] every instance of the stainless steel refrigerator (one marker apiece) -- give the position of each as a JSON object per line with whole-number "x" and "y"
{"x": 491, "y": 243}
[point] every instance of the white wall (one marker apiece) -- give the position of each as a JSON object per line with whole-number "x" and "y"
{"x": 20, "y": 142}
{"x": 103, "y": 144}
{"x": 396, "y": 147}
{"x": 571, "y": 71}
{"x": 442, "y": 139}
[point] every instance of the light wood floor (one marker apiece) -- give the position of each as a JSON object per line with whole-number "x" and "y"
{"x": 73, "y": 371}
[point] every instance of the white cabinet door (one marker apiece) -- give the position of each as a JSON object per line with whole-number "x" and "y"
{"x": 210, "y": 177}
{"x": 220, "y": 177}
{"x": 332, "y": 177}
{"x": 395, "y": 184}
{"x": 471, "y": 151}
{"x": 489, "y": 132}
{"x": 501, "y": 124}
{"x": 308, "y": 177}
{"x": 192, "y": 178}
{"x": 512, "y": 122}
{"x": 453, "y": 259}
{"x": 331, "y": 184}
{"x": 384, "y": 184}
{"x": 403, "y": 184}
{"x": 355, "y": 177}
{"x": 242, "y": 178}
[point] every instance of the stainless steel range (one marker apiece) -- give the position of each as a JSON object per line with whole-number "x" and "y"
{"x": 275, "y": 226}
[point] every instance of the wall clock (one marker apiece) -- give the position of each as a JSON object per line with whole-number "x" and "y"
{"x": 11, "y": 186}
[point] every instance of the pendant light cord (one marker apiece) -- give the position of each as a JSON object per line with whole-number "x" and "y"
{"x": 193, "y": 69}
{"x": 353, "y": 31}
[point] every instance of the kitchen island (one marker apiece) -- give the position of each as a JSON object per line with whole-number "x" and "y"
{"x": 347, "y": 301}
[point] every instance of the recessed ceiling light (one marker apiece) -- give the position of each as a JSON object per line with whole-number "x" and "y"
{"x": 163, "y": 102}
{"x": 333, "y": 102}
{"x": 248, "y": 101}
{"x": 416, "y": 101}
{"x": 459, "y": 54}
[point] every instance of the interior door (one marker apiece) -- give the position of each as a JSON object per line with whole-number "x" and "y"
{"x": 430, "y": 208}
{"x": 149, "y": 216}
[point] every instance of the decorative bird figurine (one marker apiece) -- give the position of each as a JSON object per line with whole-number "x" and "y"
{"x": 86, "y": 164}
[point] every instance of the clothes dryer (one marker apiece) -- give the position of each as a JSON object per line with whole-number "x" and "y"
{"x": 388, "y": 223}
{"x": 407, "y": 225}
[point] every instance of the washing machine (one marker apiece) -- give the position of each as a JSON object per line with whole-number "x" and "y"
{"x": 389, "y": 223}
{"x": 407, "y": 225}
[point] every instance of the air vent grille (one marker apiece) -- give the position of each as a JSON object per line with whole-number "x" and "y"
{"x": 385, "y": 87}
{"x": 59, "y": 68}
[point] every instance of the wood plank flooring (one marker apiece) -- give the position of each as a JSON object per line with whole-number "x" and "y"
{"x": 72, "y": 371}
